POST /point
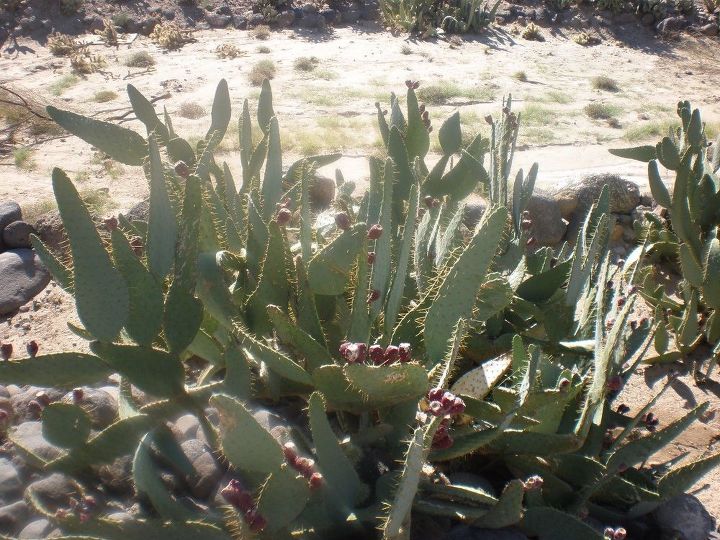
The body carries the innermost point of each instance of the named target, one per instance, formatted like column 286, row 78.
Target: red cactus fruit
column 375, row 232
column 182, row 169
column 392, row 353
column 435, row 394
column 342, row 220
column 405, row 352
column 316, row 480
column 377, row 354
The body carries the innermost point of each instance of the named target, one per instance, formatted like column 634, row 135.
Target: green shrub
column 600, row 111
column 603, row 82
column 262, row 70
column 306, row 63
column 103, row 96
column 140, row 59
column 261, row 31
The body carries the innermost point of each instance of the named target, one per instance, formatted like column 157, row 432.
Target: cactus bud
column 111, row 223
column 564, row 383
column 435, row 394
column 447, row 399
column 6, row 350
column 77, row 394
column 305, row 466
column 316, row 480
column 614, row 383
column 377, row 354
column 290, row 453
column 392, row 353
column 405, row 352
column 371, row 257
column 373, row 296
column 283, row 216
column 375, row 232
column 182, row 169
column 621, row 301
column 533, row 483
column 32, row 348
column 436, row 408
column 342, row 220
column 353, row 353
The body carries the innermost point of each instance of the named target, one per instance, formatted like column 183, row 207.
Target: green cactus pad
column 245, row 443
column 65, row 425
column 151, row 370
column 550, row 524
column 456, row 295
column 388, row 384
column 162, row 223
column 221, row 111
column 329, row 270
column 145, row 112
column 336, row 467
column 450, row 135
column 60, row 370
column 315, row 354
column 101, row 295
column 282, row 498
column 121, row 144
column 508, row 510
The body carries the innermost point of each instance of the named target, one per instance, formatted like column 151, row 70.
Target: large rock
column 36, row 529
column 548, row 227
column 28, row 436
column 13, row 516
column 9, row 212
column 50, row 229
column 473, row 213
column 100, row 406
column 17, row 235
column 139, row 212
column 10, row 483
column 54, row 491
column 207, row 469
column 577, row 197
column 684, row 518
column 23, row 276
column 322, row 192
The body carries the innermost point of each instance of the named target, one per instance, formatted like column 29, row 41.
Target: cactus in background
column 377, row 321
column 685, row 233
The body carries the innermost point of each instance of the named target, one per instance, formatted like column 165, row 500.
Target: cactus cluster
column 432, row 18
column 474, row 344
column 685, row 234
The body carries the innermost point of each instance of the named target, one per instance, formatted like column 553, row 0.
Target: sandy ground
column 332, row 108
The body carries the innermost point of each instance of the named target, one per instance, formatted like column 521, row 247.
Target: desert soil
column 332, row 108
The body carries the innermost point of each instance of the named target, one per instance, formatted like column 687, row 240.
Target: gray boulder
column 28, row 435
column 50, row 229
column 9, row 212
column 548, row 227
column 577, row 197
column 17, row 235
column 36, row 529
column 23, row 276
column 684, row 518
column 13, row 516
column 10, row 482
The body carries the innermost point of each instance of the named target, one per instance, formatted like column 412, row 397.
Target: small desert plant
column 520, row 76
column 603, row 82
column 406, row 49
column 228, row 50
column 103, row 96
column 70, row 7
column 83, row 62
column 140, row 59
column 191, row 110
column 264, row 69
column 261, row 31
column 121, row 19
column 600, row 111
column 170, row 36
column 61, row 44
column 65, row 82
column 264, row 49
column 585, row 39
column 456, row 42
column 532, row 32
column 108, row 33
column 306, row 63
column 23, row 158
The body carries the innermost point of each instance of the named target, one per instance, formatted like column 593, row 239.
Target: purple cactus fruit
column 373, row 296
column 375, row 232
column 533, row 483
column 371, row 257
column 32, row 348
column 342, row 220
column 447, row 400
column 237, row 496
column 392, row 353
column 182, row 169
column 283, row 216
column 609, row 533
column 436, row 408
column 442, row 443
column 614, row 383
column 290, row 453
column 255, row 521
column 6, row 350
column 435, row 394
column 343, row 348
column 355, row 353
column 620, row 534
column 621, row 301
column 632, row 289
column 621, row 262
column 377, row 354
column 78, row 394
column 111, row 223
column 316, row 480
column 405, row 352
column 457, row 407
